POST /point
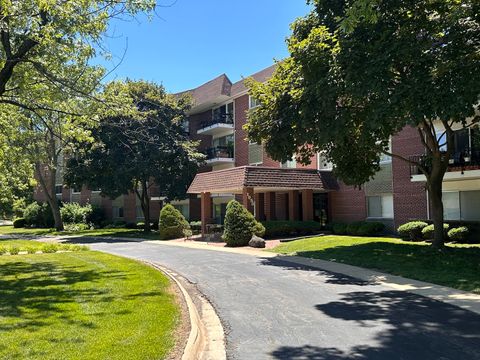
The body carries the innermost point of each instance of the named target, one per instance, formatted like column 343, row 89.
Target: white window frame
column 380, row 217
column 253, row 103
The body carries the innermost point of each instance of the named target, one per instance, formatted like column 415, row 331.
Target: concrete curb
column 206, row 340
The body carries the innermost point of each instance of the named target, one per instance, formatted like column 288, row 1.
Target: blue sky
column 193, row 41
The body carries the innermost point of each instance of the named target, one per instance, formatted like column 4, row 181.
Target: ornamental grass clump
column 240, row 225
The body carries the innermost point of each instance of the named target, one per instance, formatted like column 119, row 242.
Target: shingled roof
column 235, row 179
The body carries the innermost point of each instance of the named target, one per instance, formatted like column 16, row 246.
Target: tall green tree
column 51, row 42
column 47, row 80
column 135, row 152
column 360, row 71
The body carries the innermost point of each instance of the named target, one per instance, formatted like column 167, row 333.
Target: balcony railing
column 224, row 152
column 460, row 161
column 217, row 119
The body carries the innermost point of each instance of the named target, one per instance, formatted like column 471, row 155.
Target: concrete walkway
column 276, row 307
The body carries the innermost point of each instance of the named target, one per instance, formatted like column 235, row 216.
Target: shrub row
column 281, row 228
column 40, row 215
column 359, row 228
column 420, row 230
column 46, row 248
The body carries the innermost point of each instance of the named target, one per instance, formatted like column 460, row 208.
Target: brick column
column 85, row 196
column 269, row 206
column 248, row 198
column 307, row 204
column 206, row 211
column 260, row 206
column 293, row 205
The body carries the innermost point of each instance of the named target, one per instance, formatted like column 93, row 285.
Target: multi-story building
column 237, row 169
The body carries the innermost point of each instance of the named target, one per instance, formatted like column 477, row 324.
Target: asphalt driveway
column 273, row 309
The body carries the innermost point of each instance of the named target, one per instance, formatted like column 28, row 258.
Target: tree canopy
column 143, row 152
column 359, row 72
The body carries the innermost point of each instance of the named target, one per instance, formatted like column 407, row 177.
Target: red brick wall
column 241, row 144
column 347, row 204
column 409, row 198
column 129, row 207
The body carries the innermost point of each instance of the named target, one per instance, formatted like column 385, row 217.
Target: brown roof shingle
column 235, row 179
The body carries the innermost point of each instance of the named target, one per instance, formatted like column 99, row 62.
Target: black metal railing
column 217, row 119
column 464, row 160
column 219, row 152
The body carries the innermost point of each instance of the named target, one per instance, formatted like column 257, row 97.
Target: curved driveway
column 274, row 309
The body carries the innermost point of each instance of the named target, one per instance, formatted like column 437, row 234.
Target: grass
column 84, row 305
column 119, row 232
column 458, row 266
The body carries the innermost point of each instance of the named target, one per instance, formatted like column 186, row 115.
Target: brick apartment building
column 237, row 169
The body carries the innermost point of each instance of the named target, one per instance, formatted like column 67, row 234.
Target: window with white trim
column 290, row 164
column 380, row 206
column 253, row 102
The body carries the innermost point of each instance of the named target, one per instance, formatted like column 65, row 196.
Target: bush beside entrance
column 240, row 225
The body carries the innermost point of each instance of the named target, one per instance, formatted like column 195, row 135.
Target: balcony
column 220, row 155
column 462, row 165
column 219, row 125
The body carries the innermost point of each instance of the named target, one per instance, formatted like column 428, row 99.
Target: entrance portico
column 268, row 193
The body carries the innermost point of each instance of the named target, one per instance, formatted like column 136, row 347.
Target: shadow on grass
column 456, row 267
column 31, row 293
column 411, row 327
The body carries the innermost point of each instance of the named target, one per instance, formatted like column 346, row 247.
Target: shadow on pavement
column 418, row 328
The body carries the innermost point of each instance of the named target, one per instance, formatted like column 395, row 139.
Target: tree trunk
column 144, row 198
column 48, row 187
column 435, row 184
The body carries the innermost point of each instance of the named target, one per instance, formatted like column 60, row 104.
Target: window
column 322, row 162
column 117, row 212
column 253, row 103
column 461, row 205
column 224, row 113
column 451, row 205
column 138, row 212
column 380, row 206
column 255, row 154
column 77, row 189
column 290, row 164
column 223, row 141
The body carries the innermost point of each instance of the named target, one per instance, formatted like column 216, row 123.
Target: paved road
column 277, row 310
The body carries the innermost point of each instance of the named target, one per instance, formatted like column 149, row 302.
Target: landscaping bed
column 84, row 305
column 458, row 266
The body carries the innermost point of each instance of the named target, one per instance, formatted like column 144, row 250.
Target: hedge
column 459, row 234
column 358, row 228
column 428, row 231
column 290, row 228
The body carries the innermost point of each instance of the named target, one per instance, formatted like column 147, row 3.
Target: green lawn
column 120, row 232
column 458, row 266
column 84, row 305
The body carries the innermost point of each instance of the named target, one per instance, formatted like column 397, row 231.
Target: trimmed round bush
column 74, row 213
column 339, row 229
column 172, row 223
column 240, row 225
column 370, row 228
column 19, row 223
column 412, row 230
column 459, row 234
column 428, row 231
